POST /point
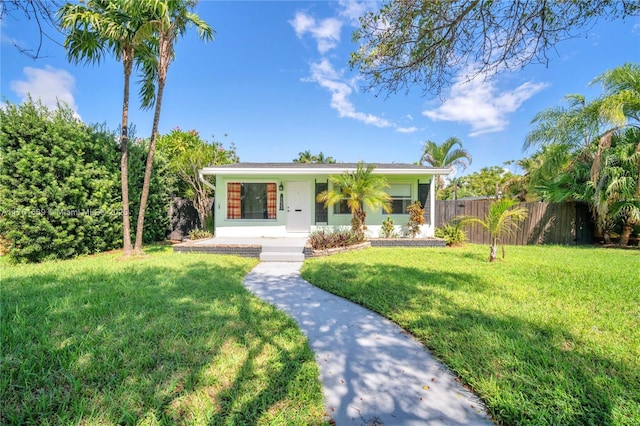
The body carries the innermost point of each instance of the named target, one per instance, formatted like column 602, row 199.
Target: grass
column 549, row 335
column 164, row 339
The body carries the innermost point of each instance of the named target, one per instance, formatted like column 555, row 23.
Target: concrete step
column 282, row 249
column 278, row 256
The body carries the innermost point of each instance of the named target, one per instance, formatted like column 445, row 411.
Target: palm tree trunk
column 627, row 229
column 149, row 165
column 493, row 255
column 124, row 163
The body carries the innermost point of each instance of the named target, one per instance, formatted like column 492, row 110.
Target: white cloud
column 48, row 84
column 353, row 10
column 411, row 129
column 481, row 104
column 326, row 76
column 326, row 32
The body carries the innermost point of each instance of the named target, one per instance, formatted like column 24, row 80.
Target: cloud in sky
column 48, row 84
column 326, row 76
column 325, row 32
column 411, row 129
column 482, row 105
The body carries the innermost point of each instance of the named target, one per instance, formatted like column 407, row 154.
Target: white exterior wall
column 277, row 227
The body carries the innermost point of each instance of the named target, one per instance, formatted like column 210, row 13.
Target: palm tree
column 304, row 157
column 358, row 189
column 619, row 186
column 501, row 219
column 585, row 133
column 96, row 28
column 445, row 155
column 170, row 19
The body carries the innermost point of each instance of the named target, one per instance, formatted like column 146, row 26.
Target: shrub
column 416, row 218
column 59, row 184
column 156, row 216
column 196, row 234
column 323, row 240
column 452, row 233
column 388, row 230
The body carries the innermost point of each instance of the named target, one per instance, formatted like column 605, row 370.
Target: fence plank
column 546, row 223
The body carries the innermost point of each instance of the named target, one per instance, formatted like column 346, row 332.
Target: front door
column 298, row 207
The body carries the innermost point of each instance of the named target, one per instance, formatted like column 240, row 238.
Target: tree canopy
column 430, row 43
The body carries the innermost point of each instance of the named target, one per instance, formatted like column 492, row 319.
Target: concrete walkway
column 372, row 372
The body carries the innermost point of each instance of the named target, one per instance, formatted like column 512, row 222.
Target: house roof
column 314, row 169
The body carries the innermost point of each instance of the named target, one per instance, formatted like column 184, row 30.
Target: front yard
column 169, row 339
column 549, row 335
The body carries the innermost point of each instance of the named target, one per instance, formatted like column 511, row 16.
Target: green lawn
column 166, row 339
column 549, row 335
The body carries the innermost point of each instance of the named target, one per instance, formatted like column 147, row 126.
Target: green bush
column 156, row 218
column 196, row 234
column 323, row 240
column 59, row 191
column 452, row 233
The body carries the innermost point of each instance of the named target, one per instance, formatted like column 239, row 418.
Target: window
column 341, row 207
column 251, row 200
column 400, row 197
column 321, row 210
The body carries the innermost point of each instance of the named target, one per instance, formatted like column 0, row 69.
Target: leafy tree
column 445, row 155
column 581, row 137
column 307, row 157
column 429, row 43
column 358, row 189
column 58, row 184
column 169, row 20
column 186, row 154
column 502, row 218
column 487, row 182
column 94, row 29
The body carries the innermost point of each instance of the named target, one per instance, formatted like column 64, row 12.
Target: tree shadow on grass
column 526, row 371
column 144, row 341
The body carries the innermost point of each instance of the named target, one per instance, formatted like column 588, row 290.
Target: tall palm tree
column 304, row 157
column 445, row 155
column 619, row 186
column 170, row 19
column 358, row 189
column 585, row 132
column 502, row 218
column 98, row 27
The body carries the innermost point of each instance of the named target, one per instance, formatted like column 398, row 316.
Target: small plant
column 452, row 233
column 196, row 234
column 388, row 230
column 208, row 222
column 416, row 218
column 323, row 240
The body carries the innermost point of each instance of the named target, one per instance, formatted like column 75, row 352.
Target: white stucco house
column 279, row 199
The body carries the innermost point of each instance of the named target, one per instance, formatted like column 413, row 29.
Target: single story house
column 279, row 199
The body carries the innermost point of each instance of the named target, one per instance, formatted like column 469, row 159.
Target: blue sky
column 276, row 82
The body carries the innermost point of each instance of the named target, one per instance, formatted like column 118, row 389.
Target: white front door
column 298, row 207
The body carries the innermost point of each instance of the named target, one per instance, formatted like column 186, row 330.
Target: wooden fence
column 546, row 223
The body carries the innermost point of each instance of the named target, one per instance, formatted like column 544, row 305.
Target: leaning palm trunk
column 163, row 64
column 124, row 161
column 147, row 172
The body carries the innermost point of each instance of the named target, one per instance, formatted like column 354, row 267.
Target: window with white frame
column 400, row 194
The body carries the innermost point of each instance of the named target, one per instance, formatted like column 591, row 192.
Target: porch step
column 281, row 257
column 272, row 253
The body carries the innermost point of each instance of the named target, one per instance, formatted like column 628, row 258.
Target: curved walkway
column 372, row 372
